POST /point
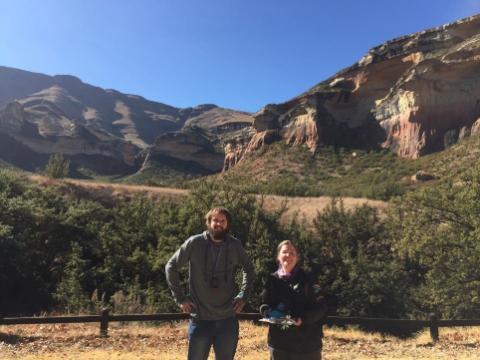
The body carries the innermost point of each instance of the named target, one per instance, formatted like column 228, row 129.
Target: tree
column 70, row 291
column 438, row 229
column 57, row 166
column 356, row 266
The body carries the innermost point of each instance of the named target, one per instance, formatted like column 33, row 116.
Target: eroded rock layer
column 414, row 95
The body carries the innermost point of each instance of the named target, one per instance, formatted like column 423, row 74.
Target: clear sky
column 240, row 54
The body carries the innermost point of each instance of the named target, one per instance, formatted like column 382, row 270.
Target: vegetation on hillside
column 74, row 255
column 376, row 174
column 438, row 229
column 294, row 171
column 161, row 175
column 279, row 169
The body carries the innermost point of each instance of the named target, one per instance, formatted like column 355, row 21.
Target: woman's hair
column 289, row 243
column 219, row 210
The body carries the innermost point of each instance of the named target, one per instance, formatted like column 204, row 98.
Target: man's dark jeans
column 222, row 334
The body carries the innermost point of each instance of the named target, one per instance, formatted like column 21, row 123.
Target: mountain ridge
column 65, row 115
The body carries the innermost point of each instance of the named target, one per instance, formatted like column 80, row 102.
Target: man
column 213, row 258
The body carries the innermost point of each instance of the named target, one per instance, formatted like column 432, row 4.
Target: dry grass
column 303, row 207
column 108, row 193
column 168, row 342
column 308, row 207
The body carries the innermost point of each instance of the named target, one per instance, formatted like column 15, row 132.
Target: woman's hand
column 265, row 310
column 297, row 321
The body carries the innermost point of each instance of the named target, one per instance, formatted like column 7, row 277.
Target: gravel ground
column 168, row 342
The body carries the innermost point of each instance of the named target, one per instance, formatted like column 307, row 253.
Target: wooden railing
column 433, row 323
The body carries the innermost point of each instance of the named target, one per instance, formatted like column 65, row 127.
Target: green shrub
column 353, row 256
column 438, row 229
column 57, row 167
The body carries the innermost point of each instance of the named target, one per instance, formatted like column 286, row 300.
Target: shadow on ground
column 13, row 339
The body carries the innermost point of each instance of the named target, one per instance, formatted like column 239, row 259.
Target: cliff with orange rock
column 414, row 95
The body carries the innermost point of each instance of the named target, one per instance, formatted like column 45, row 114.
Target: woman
column 290, row 293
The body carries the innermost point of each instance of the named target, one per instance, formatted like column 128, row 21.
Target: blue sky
column 240, row 54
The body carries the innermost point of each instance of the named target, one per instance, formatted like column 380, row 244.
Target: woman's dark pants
column 276, row 354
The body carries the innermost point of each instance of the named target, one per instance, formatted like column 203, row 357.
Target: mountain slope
column 100, row 131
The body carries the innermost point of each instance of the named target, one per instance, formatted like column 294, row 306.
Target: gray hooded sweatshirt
column 212, row 270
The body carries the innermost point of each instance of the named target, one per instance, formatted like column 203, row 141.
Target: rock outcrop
column 233, row 153
column 414, row 95
column 190, row 151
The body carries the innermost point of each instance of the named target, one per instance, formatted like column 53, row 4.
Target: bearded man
column 213, row 258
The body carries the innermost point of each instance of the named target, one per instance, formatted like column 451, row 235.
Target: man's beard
column 218, row 234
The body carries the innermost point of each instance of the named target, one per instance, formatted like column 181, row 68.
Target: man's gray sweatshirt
column 212, row 270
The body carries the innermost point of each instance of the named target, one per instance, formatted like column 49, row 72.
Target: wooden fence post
column 104, row 322
column 434, row 327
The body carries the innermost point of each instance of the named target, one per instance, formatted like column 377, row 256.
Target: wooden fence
column 372, row 323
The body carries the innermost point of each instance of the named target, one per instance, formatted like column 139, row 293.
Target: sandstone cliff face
column 414, row 95
column 436, row 100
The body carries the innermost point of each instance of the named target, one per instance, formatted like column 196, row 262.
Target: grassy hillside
column 454, row 160
column 295, row 171
column 4, row 164
column 376, row 174
column 280, row 169
column 159, row 176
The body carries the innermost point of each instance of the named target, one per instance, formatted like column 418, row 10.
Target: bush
column 57, row 167
column 438, row 230
column 67, row 254
column 353, row 256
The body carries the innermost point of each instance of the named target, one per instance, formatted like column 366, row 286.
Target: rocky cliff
column 101, row 130
column 414, row 95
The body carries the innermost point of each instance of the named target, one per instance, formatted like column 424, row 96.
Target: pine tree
column 70, row 292
column 58, row 167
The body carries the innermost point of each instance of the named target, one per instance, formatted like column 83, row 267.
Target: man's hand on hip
column 187, row 306
column 238, row 305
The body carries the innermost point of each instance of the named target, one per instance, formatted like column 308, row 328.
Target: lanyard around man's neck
column 210, row 245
